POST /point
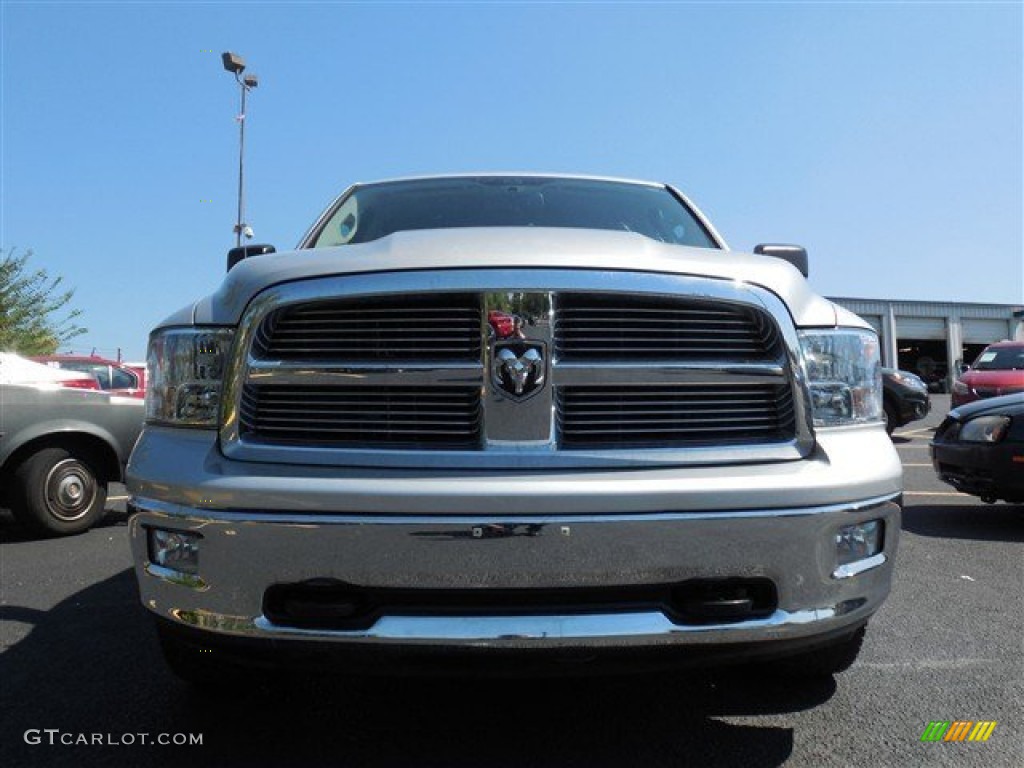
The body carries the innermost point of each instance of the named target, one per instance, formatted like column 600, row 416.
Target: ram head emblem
column 518, row 368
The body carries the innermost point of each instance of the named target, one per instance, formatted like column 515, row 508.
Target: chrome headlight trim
column 844, row 376
column 186, row 372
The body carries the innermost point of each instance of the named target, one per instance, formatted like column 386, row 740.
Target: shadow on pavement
column 980, row 522
column 11, row 531
column 92, row 665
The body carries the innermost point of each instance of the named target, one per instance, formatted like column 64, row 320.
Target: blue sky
column 884, row 137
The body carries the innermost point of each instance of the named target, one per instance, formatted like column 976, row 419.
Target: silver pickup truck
column 59, row 449
column 528, row 417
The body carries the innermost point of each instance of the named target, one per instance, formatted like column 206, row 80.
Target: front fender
column 30, row 413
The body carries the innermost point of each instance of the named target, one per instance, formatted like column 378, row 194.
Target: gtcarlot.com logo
column 958, row 730
column 57, row 737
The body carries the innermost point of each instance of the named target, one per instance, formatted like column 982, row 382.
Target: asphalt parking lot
column 79, row 658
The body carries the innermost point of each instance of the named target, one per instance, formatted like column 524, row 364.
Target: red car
column 504, row 325
column 998, row 370
column 113, row 377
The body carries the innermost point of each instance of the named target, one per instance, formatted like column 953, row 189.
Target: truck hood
column 514, row 248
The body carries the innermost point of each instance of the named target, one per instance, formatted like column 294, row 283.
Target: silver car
column 59, row 449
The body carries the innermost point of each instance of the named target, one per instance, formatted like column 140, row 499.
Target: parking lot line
column 914, row 432
column 935, row 493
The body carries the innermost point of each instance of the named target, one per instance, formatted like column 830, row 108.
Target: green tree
column 32, row 304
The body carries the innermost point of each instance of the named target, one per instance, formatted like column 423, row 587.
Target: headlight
column 177, row 550
column 859, row 541
column 959, row 388
column 186, row 366
column 844, row 376
column 909, row 380
column 985, row 429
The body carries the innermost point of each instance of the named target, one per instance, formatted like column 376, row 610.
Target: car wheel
column 57, row 492
column 890, row 417
column 824, row 661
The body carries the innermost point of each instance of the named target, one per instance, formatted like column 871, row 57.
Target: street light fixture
column 235, row 64
column 232, row 62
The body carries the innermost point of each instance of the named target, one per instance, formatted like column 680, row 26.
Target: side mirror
column 794, row 254
column 963, row 368
column 236, row 255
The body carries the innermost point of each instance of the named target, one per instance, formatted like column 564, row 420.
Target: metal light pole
column 236, row 65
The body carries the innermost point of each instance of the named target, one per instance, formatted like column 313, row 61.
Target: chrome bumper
column 269, row 524
column 243, row 554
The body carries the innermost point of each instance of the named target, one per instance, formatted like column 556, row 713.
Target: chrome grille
column 614, row 326
column 677, row 416
column 341, row 416
column 372, row 370
column 426, row 327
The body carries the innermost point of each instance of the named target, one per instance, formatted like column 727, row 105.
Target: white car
column 15, row 369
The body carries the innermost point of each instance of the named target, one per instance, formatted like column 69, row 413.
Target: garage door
column 985, row 331
column 932, row 328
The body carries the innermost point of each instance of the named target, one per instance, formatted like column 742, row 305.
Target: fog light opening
column 175, row 550
column 859, row 548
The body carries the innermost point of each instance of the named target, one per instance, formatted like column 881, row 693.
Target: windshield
column 1000, row 359
column 377, row 210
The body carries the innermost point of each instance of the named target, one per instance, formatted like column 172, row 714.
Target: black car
column 979, row 449
column 904, row 398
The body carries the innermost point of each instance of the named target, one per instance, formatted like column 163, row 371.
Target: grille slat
column 596, row 402
column 323, row 406
column 634, row 328
column 340, row 328
column 654, row 425
column 415, row 327
column 666, row 329
column 387, row 312
column 608, row 307
column 720, row 414
column 361, row 353
column 693, row 415
column 680, row 432
column 317, row 429
column 346, row 416
column 366, row 417
column 662, row 352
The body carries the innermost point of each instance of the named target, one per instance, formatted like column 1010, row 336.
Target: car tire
column 890, row 417
column 57, row 492
column 824, row 661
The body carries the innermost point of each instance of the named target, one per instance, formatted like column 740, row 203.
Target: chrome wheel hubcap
column 70, row 490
